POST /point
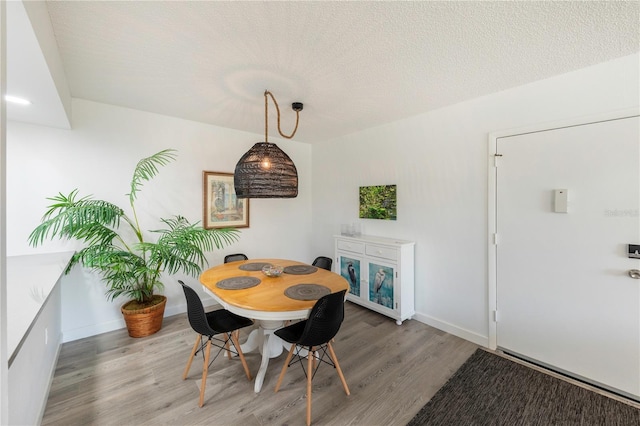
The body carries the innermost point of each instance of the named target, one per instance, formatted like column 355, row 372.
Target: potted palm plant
column 130, row 265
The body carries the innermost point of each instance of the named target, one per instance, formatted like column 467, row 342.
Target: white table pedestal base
column 269, row 345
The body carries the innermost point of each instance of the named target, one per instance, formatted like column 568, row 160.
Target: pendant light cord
column 266, row 118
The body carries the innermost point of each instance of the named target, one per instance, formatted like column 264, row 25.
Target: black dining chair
column 235, row 257
column 323, row 262
column 315, row 334
column 208, row 325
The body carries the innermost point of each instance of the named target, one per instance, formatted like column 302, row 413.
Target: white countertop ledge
column 30, row 279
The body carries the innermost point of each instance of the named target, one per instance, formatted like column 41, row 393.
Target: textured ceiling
column 353, row 64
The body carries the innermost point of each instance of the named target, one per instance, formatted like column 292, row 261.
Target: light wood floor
column 392, row 371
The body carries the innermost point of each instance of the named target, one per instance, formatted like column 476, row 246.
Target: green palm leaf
column 84, row 219
column 182, row 245
column 132, row 269
column 147, row 168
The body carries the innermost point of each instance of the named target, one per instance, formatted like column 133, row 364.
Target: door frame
column 493, row 161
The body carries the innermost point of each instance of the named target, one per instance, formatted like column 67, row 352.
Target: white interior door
column 564, row 295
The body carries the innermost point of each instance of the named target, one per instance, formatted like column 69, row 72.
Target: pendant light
column 265, row 171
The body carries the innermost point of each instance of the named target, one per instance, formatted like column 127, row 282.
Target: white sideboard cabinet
column 380, row 273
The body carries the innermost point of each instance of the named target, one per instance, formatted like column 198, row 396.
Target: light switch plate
column 560, row 202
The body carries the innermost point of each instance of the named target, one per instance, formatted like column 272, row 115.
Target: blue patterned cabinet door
column 381, row 285
column 350, row 270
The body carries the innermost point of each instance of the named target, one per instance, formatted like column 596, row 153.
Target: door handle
column 634, row 273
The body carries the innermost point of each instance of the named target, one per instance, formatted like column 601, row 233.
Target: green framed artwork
column 378, row 202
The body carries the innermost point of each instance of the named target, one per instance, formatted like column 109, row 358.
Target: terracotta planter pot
column 146, row 321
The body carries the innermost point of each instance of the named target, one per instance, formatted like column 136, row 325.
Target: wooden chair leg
column 237, row 334
column 193, row 353
column 285, row 366
column 335, row 361
column 310, row 361
column 227, row 346
column 205, row 370
column 236, row 343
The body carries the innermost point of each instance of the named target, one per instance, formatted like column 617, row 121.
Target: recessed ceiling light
column 17, row 100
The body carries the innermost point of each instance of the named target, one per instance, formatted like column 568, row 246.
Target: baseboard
column 105, row 327
column 92, row 330
column 471, row 336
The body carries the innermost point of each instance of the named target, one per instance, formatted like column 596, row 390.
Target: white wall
column 439, row 162
column 98, row 156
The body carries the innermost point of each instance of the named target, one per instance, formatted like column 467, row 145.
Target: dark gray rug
column 491, row 390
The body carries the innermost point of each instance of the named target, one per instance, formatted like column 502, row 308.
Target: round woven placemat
column 307, row 291
column 254, row 266
column 299, row 269
column 238, row 283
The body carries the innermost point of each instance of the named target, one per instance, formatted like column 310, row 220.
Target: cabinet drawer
column 382, row 252
column 351, row 246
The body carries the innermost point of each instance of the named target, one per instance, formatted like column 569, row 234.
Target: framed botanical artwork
column 221, row 207
column 378, row 202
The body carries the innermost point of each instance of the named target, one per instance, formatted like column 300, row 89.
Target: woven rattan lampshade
column 265, row 171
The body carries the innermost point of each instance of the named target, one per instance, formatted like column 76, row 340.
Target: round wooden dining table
column 242, row 288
